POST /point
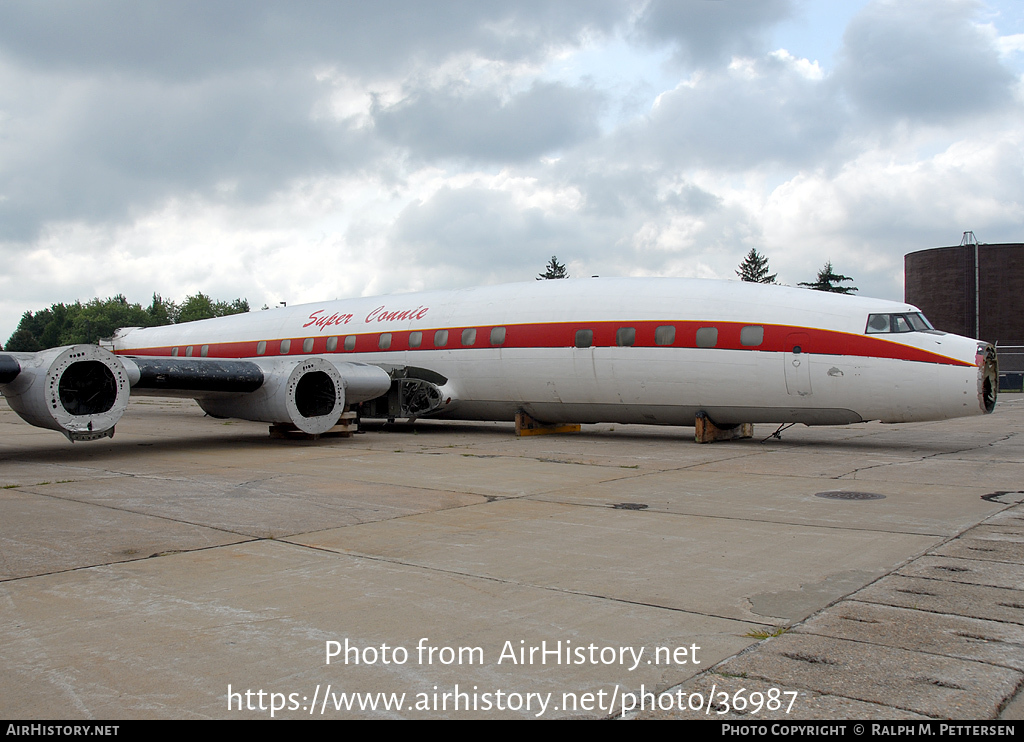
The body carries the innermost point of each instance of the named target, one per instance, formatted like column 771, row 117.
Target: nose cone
column 988, row 376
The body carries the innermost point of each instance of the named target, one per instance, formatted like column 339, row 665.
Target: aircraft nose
column 988, row 376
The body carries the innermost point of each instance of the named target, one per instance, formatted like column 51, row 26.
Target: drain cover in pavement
column 836, row 495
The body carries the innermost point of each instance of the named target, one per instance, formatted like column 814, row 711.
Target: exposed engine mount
column 415, row 392
column 80, row 390
column 988, row 376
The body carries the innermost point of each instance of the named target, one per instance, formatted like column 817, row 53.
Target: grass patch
column 767, row 633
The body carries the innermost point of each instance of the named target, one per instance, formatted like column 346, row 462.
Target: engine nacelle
column 309, row 394
column 80, row 390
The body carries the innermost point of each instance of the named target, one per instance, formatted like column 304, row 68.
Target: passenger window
column 415, row 339
column 188, row 352
column 261, row 347
column 469, row 336
column 752, row 335
column 625, row 336
column 385, row 341
column 332, row 344
column 174, row 351
column 665, row 335
column 204, row 351
column 285, row 347
column 440, row 338
column 707, row 337
column 584, row 338
column 497, row 336
column 307, row 345
column 350, row 342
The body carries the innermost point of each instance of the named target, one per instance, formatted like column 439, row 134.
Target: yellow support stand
column 526, row 425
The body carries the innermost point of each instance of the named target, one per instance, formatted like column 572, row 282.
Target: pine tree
column 754, row 268
column 554, row 270
column 828, row 279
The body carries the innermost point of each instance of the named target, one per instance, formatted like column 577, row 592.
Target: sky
column 316, row 150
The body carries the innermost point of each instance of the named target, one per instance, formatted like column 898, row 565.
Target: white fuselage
column 739, row 352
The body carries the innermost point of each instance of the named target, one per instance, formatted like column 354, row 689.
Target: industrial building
column 976, row 290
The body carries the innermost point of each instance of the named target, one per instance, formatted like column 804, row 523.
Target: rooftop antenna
column 969, row 240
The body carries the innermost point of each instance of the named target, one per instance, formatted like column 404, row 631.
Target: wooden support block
column 526, row 425
column 289, row 431
column 705, row 431
column 347, row 424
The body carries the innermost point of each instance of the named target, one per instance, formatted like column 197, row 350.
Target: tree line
column 753, row 268
column 71, row 324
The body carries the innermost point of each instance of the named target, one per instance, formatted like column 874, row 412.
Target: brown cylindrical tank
column 974, row 290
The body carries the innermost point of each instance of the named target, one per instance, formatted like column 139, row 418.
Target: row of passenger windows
column 751, row 336
column 189, row 351
column 468, row 338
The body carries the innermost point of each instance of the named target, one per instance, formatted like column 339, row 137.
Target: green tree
column 162, row 311
column 202, row 306
column 43, row 329
column 99, row 318
column 754, row 268
column 829, row 280
column 554, row 270
column 196, row 307
column 238, row 306
column 23, row 341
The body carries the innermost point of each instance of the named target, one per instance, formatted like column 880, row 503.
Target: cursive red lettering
column 321, row 321
column 381, row 314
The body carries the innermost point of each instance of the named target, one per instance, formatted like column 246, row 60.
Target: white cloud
column 319, row 153
column 1011, row 44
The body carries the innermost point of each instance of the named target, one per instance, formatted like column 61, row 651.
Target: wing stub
column 198, row 375
column 9, row 369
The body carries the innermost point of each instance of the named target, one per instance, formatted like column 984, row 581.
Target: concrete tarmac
column 196, row 568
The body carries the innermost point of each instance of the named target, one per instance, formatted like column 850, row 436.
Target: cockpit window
column 878, row 323
column 919, row 322
column 907, row 322
column 900, row 324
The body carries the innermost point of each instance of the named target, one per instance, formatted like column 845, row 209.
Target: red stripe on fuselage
column 562, row 335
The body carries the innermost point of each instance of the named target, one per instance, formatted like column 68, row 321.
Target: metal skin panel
column 844, row 376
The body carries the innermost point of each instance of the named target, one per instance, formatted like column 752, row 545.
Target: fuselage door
column 798, row 364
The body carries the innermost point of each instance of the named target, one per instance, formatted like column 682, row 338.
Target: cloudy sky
column 303, row 151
